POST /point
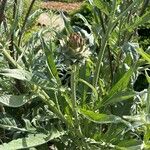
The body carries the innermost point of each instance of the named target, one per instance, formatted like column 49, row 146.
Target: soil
column 67, row 7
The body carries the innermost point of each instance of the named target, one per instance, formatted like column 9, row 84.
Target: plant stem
column 111, row 26
column 148, row 98
column 101, row 54
column 73, row 99
column 56, row 100
column 10, row 59
column 110, row 64
column 46, row 99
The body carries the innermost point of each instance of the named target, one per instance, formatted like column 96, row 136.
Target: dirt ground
column 67, row 7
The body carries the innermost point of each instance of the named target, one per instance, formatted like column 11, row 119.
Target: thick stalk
column 73, row 99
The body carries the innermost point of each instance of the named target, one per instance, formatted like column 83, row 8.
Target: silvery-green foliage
column 97, row 108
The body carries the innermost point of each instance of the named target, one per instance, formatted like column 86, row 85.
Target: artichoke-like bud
column 74, row 49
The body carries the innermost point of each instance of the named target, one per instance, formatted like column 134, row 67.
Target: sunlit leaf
column 19, row 74
column 15, row 100
column 100, row 118
column 144, row 54
column 122, row 83
column 31, row 140
column 119, row 97
column 139, row 21
column 50, row 60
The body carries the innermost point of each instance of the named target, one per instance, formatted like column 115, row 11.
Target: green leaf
column 100, row 118
column 90, row 86
column 19, row 74
column 144, row 54
column 122, row 83
column 32, row 18
column 68, row 27
column 140, row 21
column 86, row 23
column 119, row 97
column 42, row 81
column 31, row 140
column 15, row 100
column 147, row 76
column 102, row 6
column 129, row 144
column 148, row 91
column 50, row 61
column 9, row 123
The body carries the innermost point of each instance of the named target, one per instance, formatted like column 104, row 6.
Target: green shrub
column 98, row 107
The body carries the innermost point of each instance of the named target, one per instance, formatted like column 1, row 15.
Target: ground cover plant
column 77, row 88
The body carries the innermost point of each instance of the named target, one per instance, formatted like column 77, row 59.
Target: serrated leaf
column 90, row 86
column 32, row 18
column 31, row 140
column 19, row 74
column 41, row 81
column 122, row 83
column 100, row 118
column 9, row 123
column 15, row 100
column 131, row 49
column 119, row 97
column 50, row 61
column 102, row 6
column 140, row 21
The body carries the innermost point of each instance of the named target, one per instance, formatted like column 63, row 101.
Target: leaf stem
column 10, row 59
column 46, row 99
column 111, row 26
column 73, row 99
column 101, row 54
